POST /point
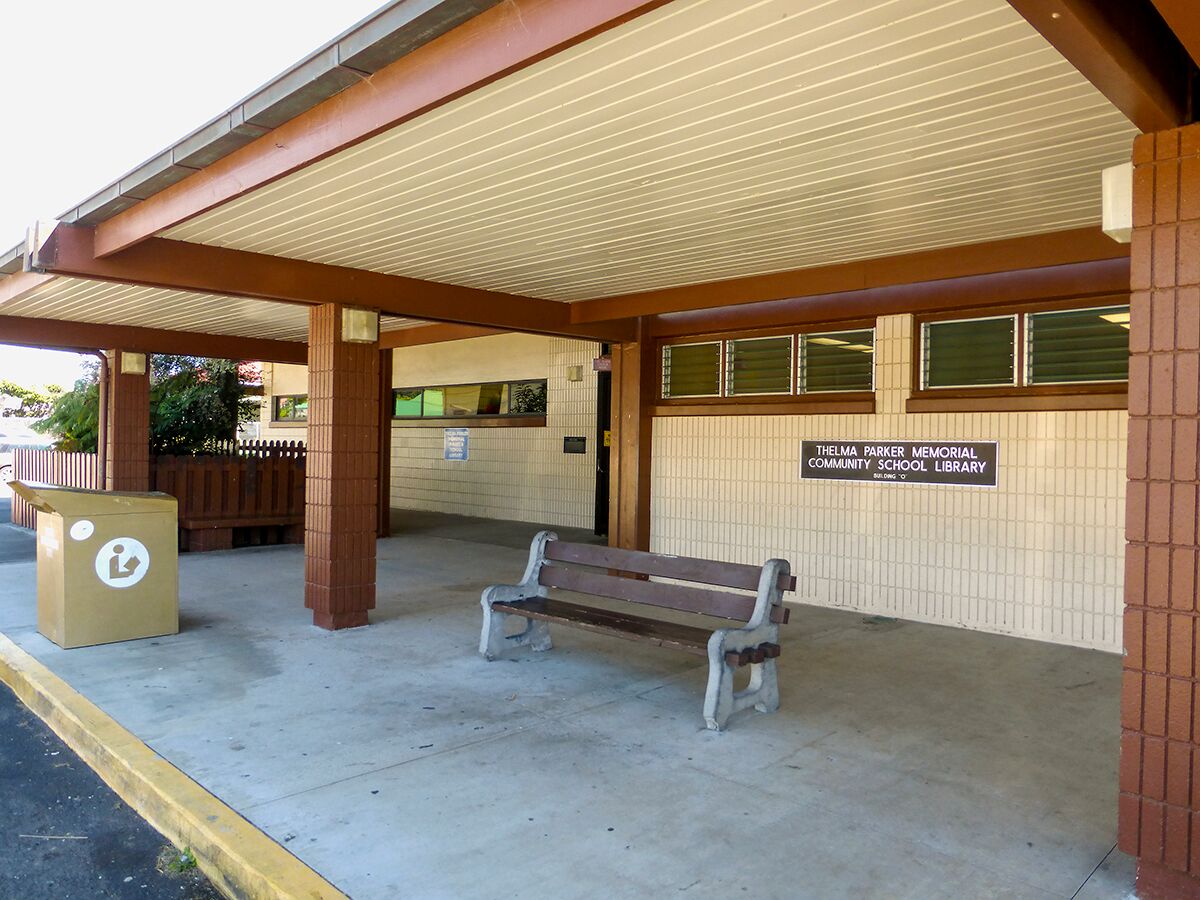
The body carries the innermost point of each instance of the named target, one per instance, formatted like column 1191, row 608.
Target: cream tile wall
column 1041, row 556
column 512, row 473
column 281, row 379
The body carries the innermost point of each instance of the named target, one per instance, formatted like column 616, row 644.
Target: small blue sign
column 456, row 444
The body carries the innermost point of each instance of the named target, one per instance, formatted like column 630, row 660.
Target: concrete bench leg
column 493, row 641
column 721, row 701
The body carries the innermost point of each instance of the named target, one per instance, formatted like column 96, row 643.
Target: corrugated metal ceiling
column 711, row 140
column 81, row 300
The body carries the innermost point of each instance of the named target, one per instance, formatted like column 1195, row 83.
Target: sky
column 99, row 88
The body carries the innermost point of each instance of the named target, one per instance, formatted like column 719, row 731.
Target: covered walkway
column 907, row 760
column 735, row 231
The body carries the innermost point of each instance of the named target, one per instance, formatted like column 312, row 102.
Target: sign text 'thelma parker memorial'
column 972, row 463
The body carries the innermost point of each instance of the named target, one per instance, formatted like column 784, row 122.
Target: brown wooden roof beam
column 1014, row 254
column 180, row 265
column 1183, row 18
column 1126, row 50
column 432, row 334
column 85, row 336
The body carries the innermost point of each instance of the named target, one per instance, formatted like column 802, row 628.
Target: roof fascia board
column 67, row 335
column 1125, row 49
column 12, row 260
column 1031, row 252
column 377, row 40
column 180, row 265
column 501, row 40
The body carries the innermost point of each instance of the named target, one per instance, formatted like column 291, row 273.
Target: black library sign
column 905, row 462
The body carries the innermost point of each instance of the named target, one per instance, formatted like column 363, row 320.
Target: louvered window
column 758, row 366
column 691, row 370
column 837, row 361
column 970, row 352
column 1078, row 345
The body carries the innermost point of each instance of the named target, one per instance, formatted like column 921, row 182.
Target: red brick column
column 341, row 473
column 128, row 446
column 1159, row 806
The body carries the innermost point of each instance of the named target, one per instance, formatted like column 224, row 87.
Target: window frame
column 662, row 369
column 799, row 364
column 923, row 357
column 481, row 420
column 1027, row 372
column 275, row 418
column 727, row 363
column 1019, row 397
column 823, row 402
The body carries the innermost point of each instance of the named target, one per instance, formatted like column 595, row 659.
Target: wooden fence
column 231, row 500
column 252, row 495
column 49, row 467
column 258, row 449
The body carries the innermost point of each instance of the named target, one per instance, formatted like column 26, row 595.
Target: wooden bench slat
column 603, row 621
column 684, row 568
column 721, row 604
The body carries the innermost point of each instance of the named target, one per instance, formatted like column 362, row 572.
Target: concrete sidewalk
column 907, row 760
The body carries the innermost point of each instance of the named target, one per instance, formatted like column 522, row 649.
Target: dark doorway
column 603, row 439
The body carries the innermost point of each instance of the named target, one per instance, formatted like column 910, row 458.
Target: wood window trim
column 470, row 422
column 1099, row 395
column 1031, row 398
column 824, row 403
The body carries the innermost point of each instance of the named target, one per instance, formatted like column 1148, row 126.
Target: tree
column 195, row 403
column 26, row 403
column 74, row 416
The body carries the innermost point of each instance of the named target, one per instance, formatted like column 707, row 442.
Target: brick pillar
column 1159, row 805
column 128, row 444
column 341, row 473
column 634, row 390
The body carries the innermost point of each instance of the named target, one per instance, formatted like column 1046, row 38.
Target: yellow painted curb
column 239, row 859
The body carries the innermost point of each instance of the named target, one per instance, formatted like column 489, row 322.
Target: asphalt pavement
column 16, row 544
column 64, row 834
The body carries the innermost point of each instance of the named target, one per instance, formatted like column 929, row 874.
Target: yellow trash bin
column 108, row 564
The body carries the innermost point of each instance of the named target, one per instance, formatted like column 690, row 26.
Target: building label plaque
column 456, row 444
column 971, row 463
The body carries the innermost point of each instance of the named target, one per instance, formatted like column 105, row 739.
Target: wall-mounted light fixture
column 133, row 363
column 574, row 373
column 360, row 326
column 1117, row 184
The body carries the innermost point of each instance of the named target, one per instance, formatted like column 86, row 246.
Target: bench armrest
column 528, row 585
column 505, row 593
column 770, row 595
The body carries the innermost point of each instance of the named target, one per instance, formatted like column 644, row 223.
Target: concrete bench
column 616, row 574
